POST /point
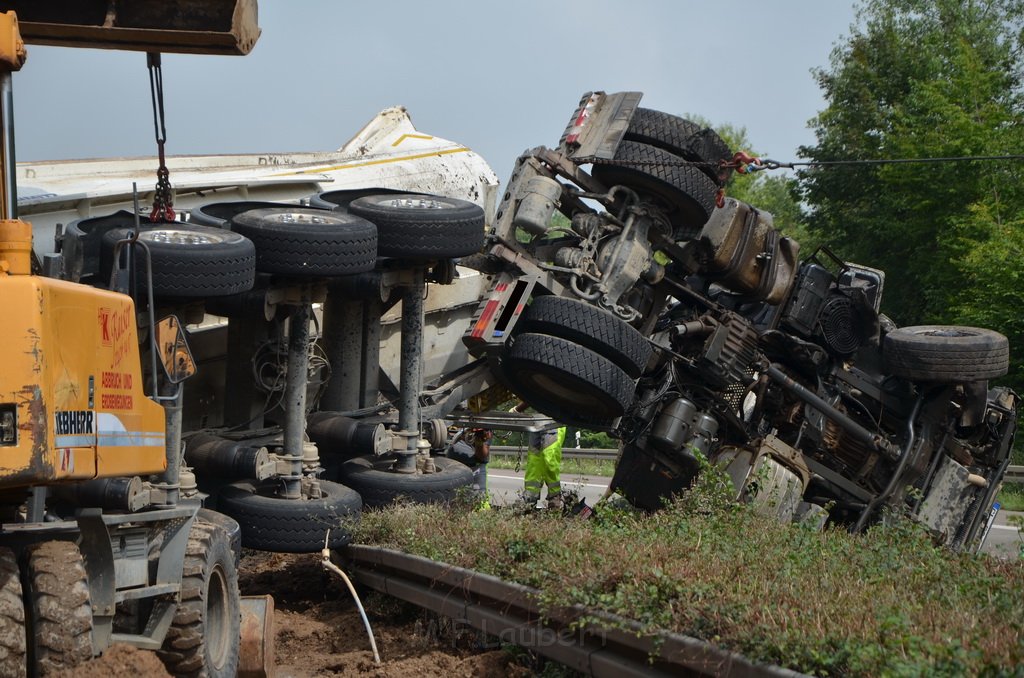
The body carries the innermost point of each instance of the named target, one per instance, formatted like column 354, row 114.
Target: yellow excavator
column 102, row 534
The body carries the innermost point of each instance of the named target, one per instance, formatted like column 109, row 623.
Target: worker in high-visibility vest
column 473, row 448
column 543, row 465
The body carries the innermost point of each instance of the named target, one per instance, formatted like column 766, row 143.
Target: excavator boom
column 176, row 26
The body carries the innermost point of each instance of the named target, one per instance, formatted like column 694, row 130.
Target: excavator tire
column 229, row 525
column 13, row 650
column 205, row 635
column 58, row 605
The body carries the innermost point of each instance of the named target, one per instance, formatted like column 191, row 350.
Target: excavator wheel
column 205, row 635
column 13, row 651
column 58, row 606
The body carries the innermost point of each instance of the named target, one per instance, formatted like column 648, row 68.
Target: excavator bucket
column 182, row 26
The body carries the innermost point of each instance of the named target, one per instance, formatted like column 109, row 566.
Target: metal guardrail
column 567, row 452
column 589, row 641
column 1014, row 474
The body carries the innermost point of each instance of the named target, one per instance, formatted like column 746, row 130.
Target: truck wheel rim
column 181, row 237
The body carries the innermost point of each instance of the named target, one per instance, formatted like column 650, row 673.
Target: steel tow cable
column 744, row 163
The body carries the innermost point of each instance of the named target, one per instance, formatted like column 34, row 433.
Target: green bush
column 1012, row 497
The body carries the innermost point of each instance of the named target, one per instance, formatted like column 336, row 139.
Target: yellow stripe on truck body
column 71, row 398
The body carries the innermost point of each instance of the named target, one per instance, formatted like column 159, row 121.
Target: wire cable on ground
column 328, row 565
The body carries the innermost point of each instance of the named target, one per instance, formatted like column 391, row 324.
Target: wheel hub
column 179, row 237
column 417, row 203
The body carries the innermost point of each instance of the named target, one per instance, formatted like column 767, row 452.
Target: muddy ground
column 319, row 632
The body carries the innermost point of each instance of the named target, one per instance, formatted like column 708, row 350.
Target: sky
column 496, row 77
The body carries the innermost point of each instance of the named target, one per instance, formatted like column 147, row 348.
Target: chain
column 163, row 199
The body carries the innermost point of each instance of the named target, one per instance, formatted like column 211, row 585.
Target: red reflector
column 581, row 120
column 485, row 317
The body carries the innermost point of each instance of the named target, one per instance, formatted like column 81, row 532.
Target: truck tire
column 370, row 477
column 339, row 200
column 684, row 138
column 270, row 523
column 590, row 327
column 58, row 606
column 946, row 354
column 423, row 227
column 684, row 191
column 189, row 261
column 13, row 650
column 220, row 214
column 308, row 242
column 566, row 381
column 205, row 636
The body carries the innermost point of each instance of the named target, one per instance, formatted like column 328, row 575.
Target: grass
column 827, row 603
column 1012, row 497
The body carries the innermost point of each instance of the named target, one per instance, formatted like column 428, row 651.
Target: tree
column 922, row 79
column 992, row 293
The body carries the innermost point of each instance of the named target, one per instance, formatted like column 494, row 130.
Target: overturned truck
column 341, row 309
column 688, row 326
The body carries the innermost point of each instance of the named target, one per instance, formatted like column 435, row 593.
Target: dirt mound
column 118, row 660
column 319, row 632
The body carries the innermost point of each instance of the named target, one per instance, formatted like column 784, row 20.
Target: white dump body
column 389, row 152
